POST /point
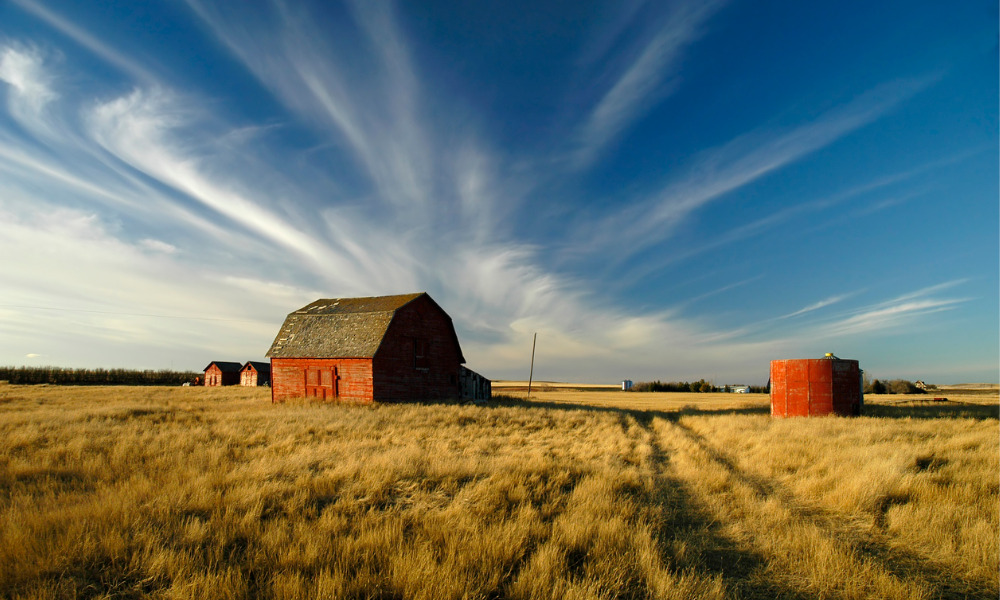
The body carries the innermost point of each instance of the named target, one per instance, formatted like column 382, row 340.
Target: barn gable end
column 255, row 373
column 419, row 356
column 219, row 372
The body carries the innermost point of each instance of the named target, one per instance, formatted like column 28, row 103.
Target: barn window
column 420, row 360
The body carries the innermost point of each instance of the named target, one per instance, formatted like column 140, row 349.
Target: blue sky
column 660, row 190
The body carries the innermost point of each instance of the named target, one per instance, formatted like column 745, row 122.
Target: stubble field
column 216, row 493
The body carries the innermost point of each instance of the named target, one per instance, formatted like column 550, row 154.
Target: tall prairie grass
column 215, row 492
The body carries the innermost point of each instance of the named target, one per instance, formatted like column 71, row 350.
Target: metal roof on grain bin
column 339, row 327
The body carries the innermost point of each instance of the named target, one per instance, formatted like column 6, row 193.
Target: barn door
column 322, row 383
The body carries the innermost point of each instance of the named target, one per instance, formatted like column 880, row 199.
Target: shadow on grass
column 639, row 413
column 742, row 571
column 908, row 410
column 933, row 410
column 902, row 564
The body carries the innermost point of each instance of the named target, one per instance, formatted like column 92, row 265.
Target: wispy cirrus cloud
column 141, row 130
column 889, row 315
column 119, row 59
column 893, row 313
column 647, row 78
column 375, row 109
column 815, row 306
column 59, row 294
column 21, row 69
column 740, row 162
column 857, row 195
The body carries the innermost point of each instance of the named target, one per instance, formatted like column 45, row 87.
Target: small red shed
column 222, row 373
column 815, row 387
column 383, row 348
column 255, row 373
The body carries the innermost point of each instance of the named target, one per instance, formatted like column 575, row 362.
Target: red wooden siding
column 255, row 374
column 214, row 376
column 331, row 379
column 248, row 377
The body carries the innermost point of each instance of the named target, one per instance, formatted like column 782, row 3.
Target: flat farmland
column 131, row 492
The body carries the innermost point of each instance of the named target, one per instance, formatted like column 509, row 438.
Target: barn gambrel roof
column 341, row 327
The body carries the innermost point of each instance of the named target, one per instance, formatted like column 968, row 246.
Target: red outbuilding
column 222, row 373
column 384, row 349
column 255, row 373
column 810, row 387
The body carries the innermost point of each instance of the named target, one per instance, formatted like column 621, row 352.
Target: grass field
column 217, row 493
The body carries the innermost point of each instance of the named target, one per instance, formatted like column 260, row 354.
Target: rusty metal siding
column 815, row 387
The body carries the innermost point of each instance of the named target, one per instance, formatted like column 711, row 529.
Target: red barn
column 384, row 349
column 255, row 373
column 222, row 373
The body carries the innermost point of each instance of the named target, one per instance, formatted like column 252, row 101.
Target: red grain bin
column 810, row 387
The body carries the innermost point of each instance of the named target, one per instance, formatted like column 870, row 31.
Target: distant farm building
column 739, row 389
column 384, row 349
column 816, row 387
column 219, row 373
column 474, row 386
column 255, row 373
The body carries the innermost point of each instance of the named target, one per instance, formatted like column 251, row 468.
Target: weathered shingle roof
column 260, row 367
column 338, row 327
column 225, row 366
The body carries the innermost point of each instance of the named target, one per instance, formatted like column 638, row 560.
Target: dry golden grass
column 197, row 493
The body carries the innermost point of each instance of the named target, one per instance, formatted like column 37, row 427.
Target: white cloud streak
column 647, row 79
column 21, row 69
column 376, row 112
column 84, row 39
column 738, row 163
column 68, row 260
column 890, row 314
column 137, row 129
column 815, row 306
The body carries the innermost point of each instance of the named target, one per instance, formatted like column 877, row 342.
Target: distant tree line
column 686, row 386
column 894, row 386
column 871, row 386
column 61, row 376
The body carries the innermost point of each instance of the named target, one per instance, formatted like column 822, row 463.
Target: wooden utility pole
column 531, row 373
